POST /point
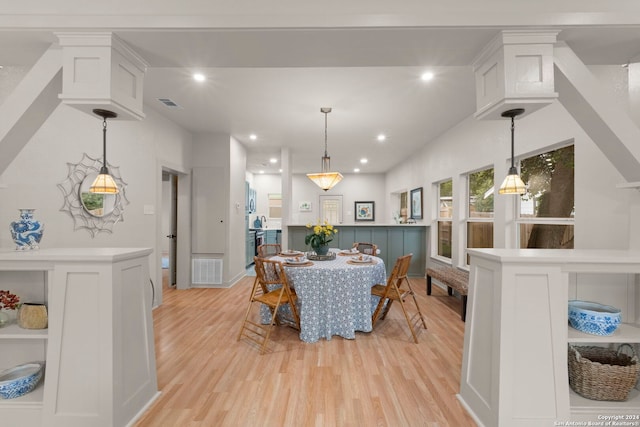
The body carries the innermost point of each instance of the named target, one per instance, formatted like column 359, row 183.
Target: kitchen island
column 393, row 241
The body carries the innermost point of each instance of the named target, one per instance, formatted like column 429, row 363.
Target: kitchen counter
column 365, row 224
column 393, row 241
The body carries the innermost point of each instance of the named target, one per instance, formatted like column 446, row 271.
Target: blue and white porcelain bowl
column 594, row 318
column 20, row 380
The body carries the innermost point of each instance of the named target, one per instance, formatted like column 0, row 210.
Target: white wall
column 266, row 184
column 602, row 211
column 224, row 151
column 353, row 187
column 237, row 241
column 138, row 148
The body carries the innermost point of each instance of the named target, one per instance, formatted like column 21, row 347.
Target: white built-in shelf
column 582, row 405
column 14, row 331
column 626, row 333
column 29, row 400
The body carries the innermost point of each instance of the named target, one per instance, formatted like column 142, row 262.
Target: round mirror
column 98, row 205
column 96, row 213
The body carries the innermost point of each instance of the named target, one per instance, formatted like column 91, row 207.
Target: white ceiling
column 273, row 82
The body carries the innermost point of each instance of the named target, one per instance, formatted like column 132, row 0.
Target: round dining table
column 334, row 296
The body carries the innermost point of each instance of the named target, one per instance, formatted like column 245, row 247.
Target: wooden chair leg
column 376, row 313
column 415, row 301
column 386, row 309
column 428, row 285
column 463, row 309
column 406, row 316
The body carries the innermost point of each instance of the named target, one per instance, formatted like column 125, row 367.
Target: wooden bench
column 453, row 279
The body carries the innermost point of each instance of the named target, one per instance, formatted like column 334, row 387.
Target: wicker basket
column 602, row 374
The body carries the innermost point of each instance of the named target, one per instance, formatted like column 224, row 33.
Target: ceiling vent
column 169, row 103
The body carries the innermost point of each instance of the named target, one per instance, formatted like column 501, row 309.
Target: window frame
column 438, row 219
column 469, row 219
column 519, row 220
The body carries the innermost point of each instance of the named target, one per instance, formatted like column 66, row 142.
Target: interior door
column 173, row 230
column 208, row 226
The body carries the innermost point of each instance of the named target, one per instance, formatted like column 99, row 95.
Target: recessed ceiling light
column 273, row 160
column 356, row 170
column 280, row 170
column 253, row 136
column 261, row 171
column 427, row 76
column 382, row 137
column 363, row 161
column 199, row 77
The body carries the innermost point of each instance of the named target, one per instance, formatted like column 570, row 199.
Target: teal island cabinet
column 392, row 240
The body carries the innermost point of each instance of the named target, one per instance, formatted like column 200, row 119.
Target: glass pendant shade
column 104, row 183
column 325, row 179
column 512, row 184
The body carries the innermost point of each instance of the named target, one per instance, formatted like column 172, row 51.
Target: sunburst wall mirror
column 93, row 212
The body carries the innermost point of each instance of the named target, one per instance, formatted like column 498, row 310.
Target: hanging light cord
column 104, row 143
column 512, row 133
column 325, row 135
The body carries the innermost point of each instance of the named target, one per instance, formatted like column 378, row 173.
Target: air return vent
column 206, row 271
column 169, row 103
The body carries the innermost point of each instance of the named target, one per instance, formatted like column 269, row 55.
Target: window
column 546, row 214
column 275, row 205
column 480, row 209
column 445, row 216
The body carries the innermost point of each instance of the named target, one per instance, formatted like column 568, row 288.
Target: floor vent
column 206, row 271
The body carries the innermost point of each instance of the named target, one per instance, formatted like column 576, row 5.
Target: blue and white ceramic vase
column 27, row 231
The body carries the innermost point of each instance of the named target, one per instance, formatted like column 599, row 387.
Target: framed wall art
column 416, row 203
column 304, row 206
column 365, row 211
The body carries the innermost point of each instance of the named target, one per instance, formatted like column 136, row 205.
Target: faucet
column 263, row 221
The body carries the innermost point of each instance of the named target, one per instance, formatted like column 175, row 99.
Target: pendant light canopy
column 325, row 179
column 512, row 184
column 104, row 183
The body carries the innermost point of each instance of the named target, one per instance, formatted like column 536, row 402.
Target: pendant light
column 104, row 183
column 325, row 179
column 512, row 184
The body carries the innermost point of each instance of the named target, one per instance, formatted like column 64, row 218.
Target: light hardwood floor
column 208, row 378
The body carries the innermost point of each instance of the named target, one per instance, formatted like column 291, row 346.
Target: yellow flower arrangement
column 321, row 236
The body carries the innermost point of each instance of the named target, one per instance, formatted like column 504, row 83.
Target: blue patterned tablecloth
column 334, row 297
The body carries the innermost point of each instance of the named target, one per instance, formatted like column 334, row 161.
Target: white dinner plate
column 348, row 251
column 292, row 253
column 295, row 261
column 364, row 260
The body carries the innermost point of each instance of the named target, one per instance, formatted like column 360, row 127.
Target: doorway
column 331, row 209
column 169, row 228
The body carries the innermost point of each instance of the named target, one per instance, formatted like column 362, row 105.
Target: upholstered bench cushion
column 453, row 279
column 457, row 279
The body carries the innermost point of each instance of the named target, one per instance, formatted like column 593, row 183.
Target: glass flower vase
column 4, row 318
